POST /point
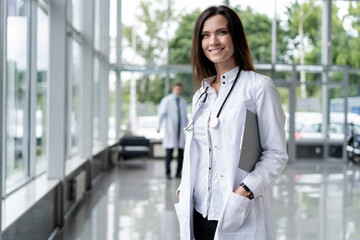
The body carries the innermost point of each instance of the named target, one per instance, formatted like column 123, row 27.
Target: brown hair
column 202, row 67
column 179, row 84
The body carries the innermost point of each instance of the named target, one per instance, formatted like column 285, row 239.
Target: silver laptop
column 250, row 143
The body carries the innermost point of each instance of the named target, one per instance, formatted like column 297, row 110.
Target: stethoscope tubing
column 232, row 86
column 203, row 101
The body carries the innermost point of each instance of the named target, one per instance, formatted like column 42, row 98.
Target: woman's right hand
column 241, row 191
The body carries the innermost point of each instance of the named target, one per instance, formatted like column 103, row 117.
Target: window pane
column 75, row 97
column 141, row 93
column 77, row 14
column 299, row 31
column 97, row 25
column 113, row 31
column 257, row 23
column 16, row 93
column 144, row 32
column 112, row 95
column 96, row 104
column 42, row 71
column 308, row 116
column 345, row 45
column 354, row 93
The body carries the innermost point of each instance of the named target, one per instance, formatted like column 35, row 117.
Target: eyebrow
column 220, row 29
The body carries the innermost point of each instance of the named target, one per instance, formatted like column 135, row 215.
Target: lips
column 216, row 50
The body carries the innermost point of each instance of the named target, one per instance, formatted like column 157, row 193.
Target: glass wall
column 74, row 98
column 112, row 31
column 17, row 85
column 74, row 76
column 299, row 29
column 155, row 48
column 22, row 163
column 298, row 32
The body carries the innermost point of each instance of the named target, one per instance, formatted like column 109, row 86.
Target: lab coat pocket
column 235, row 212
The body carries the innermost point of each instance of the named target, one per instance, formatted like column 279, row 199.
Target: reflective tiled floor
column 311, row 200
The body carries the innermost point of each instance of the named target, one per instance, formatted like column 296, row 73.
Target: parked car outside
column 308, row 125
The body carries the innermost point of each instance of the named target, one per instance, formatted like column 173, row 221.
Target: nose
column 214, row 40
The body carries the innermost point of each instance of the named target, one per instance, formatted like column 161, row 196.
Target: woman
column 217, row 200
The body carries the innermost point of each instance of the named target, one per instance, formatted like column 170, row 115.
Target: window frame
column 3, row 22
column 26, row 110
column 30, row 99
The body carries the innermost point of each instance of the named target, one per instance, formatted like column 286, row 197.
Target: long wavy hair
column 202, row 67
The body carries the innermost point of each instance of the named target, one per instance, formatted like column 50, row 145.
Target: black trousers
column 204, row 229
column 169, row 152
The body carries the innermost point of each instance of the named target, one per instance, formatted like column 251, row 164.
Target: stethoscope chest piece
column 214, row 122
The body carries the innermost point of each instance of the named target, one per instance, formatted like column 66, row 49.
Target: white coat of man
column 172, row 111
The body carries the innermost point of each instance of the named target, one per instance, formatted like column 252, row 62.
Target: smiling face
column 217, row 43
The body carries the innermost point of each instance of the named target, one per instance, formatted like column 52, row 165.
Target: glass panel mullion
column 41, row 89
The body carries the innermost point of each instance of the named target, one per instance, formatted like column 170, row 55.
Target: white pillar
column 326, row 61
column 56, row 107
column 104, row 80
column 292, row 109
column 273, row 39
column 33, row 87
column 2, row 80
column 86, row 83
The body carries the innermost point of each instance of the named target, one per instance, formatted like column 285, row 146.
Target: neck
column 223, row 68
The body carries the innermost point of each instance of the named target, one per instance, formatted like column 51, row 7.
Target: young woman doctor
column 217, row 200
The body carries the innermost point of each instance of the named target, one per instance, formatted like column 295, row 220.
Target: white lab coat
column 240, row 217
column 167, row 112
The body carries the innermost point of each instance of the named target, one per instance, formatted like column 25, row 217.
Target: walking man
column 172, row 111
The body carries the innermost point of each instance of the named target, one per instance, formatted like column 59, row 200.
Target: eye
column 205, row 35
column 222, row 32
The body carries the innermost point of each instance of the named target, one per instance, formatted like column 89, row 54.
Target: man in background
column 172, row 111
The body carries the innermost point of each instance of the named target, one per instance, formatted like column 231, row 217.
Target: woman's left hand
column 241, row 191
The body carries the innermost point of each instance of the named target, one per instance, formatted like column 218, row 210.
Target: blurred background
column 78, row 75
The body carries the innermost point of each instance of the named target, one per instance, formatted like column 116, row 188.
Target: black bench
column 131, row 147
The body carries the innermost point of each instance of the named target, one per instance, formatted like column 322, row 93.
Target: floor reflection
column 311, row 200
column 318, row 201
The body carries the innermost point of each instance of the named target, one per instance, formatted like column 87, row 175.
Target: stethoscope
column 214, row 122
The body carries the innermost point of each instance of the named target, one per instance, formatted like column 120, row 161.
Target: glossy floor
column 311, row 200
